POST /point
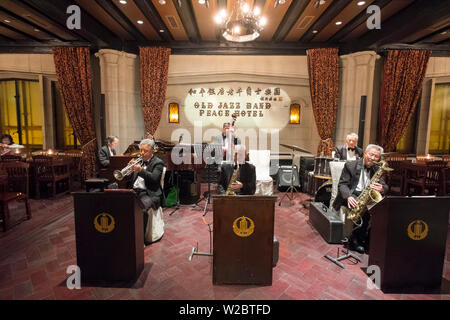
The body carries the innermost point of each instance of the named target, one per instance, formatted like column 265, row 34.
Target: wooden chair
column 396, row 177
column 424, row 178
column 16, row 190
column 51, row 170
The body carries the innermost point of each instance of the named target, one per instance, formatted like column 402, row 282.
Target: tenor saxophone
column 230, row 191
column 367, row 196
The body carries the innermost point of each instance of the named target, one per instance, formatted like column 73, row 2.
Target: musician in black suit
column 225, row 138
column 355, row 177
column 245, row 183
column 350, row 150
column 146, row 178
column 108, row 150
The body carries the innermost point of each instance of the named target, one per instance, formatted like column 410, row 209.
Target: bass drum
column 323, row 194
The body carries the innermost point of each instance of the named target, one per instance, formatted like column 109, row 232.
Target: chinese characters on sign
column 223, row 102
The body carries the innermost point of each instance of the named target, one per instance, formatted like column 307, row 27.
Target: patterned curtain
column 404, row 72
column 323, row 67
column 73, row 70
column 154, row 68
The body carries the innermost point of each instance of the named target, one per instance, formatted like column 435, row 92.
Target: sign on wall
column 255, row 106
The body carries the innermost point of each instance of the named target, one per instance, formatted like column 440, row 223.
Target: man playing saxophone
column 355, row 178
column 245, row 175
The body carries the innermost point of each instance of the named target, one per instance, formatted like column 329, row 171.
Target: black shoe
column 354, row 245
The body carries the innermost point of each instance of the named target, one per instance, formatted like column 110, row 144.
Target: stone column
column 119, row 73
column 356, row 80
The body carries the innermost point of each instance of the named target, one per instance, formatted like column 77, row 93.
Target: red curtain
column 323, row 68
column 404, row 72
column 154, row 69
column 73, row 71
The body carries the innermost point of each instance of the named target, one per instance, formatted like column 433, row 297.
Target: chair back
column 261, row 160
column 396, row 157
column 437, row 163
column 17, row 176
column 433, row 176
column 11, row 158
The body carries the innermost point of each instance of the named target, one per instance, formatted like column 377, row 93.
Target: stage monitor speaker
column 362, row 121
column 284, row 177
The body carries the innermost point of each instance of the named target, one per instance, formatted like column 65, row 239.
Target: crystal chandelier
column 242, row 24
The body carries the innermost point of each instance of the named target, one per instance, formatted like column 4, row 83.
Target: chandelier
column 242, row 24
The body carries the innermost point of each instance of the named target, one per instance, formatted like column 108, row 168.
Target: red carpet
column 35, row 254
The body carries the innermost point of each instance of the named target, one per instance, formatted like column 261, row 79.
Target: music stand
column 291, row 186
column 206, row 194
column 195, row 249
column 347, row 255
column 178, row 193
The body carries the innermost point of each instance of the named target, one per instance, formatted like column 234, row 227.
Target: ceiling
column 188, row 27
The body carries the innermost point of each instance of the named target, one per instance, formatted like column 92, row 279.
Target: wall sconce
column 173, row 113
column 294, row 113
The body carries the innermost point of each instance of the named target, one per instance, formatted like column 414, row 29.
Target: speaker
column 362, row 121
column 284, row 178
column 275, row 165
column 189, row 187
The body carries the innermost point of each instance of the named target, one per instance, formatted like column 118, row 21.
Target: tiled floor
column 35, row 254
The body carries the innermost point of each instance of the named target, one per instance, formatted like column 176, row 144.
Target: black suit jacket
column 349, row 181
column 104, row 155
column 341, row 152
column 152, row 177
column 247, row 175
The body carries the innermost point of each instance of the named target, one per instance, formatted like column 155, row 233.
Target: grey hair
column 352, row 135
column 111, row 139
column 149, row 142
column 374, row 146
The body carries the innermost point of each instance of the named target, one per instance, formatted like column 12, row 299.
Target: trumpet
column 120, row 174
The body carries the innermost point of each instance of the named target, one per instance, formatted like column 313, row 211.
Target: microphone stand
column 178, row 183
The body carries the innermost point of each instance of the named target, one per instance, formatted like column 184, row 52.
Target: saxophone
column 230, row 191
column 367, row 196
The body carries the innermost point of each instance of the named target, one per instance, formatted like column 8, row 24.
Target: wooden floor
column 35, row 254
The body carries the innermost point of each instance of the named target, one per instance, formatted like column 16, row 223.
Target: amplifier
column 326, row 222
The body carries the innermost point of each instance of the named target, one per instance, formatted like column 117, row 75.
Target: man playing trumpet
column 145, row 179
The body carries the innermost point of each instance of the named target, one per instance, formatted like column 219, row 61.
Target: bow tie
column 351, row 149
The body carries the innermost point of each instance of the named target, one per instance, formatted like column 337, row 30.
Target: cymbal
column 294, row 148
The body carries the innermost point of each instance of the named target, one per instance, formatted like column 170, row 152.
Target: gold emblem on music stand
column 417, row 230
column 104, row 222
column 243, row 226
